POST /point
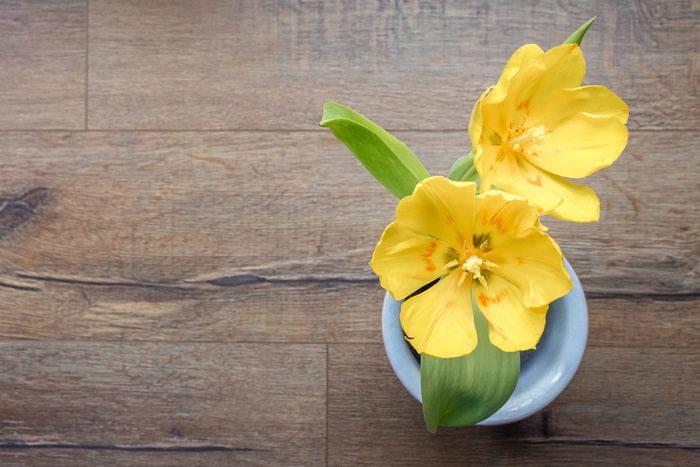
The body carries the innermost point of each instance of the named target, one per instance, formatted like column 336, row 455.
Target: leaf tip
column 328, row 109
column 577, row 36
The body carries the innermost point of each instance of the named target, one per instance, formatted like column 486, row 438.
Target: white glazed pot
column 544, row 372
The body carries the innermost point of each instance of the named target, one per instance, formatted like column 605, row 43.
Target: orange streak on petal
column 427, row 257
column 498, row 223
column 524, row 104
column 484, row 300
column 537, row 181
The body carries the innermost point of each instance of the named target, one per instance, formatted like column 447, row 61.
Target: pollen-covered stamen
column 472, row 263
column 451, row 264
column 533, row 135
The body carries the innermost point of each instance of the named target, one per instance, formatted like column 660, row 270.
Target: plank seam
column 604, row 442
column 328, row 351
column 251, row 279
column 225, row 281
column 87, row 62
column 17, row 444
column 271, row 130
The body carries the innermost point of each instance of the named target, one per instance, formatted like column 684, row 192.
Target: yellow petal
column 522, row 62
column 507, row 105
column 535, row 265
column 440, row 321
column 563, row 104
column 439, row 208
column 476, row 128
column 405, row 260
column 539, row 74
column 554, row 195
column 565, row 68
column 512, row 325
column 501, row 217
column 565, row 152
column 579, row 203
column 487, row 161
column 532, row 87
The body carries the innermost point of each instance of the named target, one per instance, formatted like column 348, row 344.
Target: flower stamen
column 465, row 274
column 533, row 135
column 472, row 265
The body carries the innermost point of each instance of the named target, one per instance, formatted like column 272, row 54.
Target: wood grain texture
column 43, row 64
column 125, row 208
column 183, row 251
column 217, row 64
column 254, row 404
column 620, row 409
column 316, row 312
column 105, row 456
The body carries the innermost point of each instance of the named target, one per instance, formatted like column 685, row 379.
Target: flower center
column 472, row 264
column 533, row 135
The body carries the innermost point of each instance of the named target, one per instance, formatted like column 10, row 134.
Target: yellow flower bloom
column 491, row 245
column 538, row 125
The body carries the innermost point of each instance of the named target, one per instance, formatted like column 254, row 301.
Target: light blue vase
column 544, row 372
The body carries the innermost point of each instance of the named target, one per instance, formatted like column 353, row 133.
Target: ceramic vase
column 544, row 371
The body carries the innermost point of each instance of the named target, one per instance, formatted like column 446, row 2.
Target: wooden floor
column 183, row 253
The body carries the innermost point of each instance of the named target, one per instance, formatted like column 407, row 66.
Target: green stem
column 471, row 176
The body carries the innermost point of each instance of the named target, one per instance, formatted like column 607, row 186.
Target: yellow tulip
column 491, row 245
column 538, row 125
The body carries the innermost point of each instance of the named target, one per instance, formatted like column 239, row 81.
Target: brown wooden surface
column 183, row 271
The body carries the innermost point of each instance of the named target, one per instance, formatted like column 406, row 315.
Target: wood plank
column 217, row 64
column 460, row 448
column 126, row 208
column 254, row 404
column 644, row 322
column 105, row 457
column 620, row 409
column 43, row 64
column 316, row 312
column 498, row 454
column 642, row 395
column 303, row 312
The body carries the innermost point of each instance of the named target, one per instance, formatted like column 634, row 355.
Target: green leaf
column 466, row 390
column 577, row 37
column 463, row 170
column 385, row 157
